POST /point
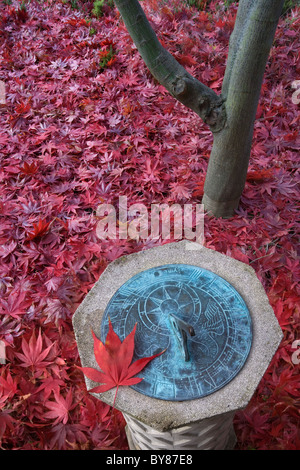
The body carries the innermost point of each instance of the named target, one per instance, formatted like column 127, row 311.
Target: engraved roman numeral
column 208, row 379
column 127, row 291
column 194, row 276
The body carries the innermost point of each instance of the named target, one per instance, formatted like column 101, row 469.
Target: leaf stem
column 113, row 408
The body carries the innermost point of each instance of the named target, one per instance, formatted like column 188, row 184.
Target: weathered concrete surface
column 165, row 415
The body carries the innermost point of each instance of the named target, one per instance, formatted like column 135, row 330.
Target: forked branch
column 167, row 71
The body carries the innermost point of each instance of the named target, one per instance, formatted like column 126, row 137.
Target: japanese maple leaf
column 259, row 176
column 50, row 385
column 34, row 354
column 8, row 388
column 6, row 421
column 39, row 229
column 199, row 189
column 115, row 361
column 60, row 407
column 29, row 168
column 180, row 191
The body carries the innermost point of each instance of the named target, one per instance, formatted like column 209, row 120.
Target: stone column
column 215, row 433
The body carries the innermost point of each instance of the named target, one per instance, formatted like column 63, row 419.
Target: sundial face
column 159, row 300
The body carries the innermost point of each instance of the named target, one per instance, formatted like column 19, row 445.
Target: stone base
column 215, row 433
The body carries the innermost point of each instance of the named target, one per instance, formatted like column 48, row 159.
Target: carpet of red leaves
column 83, row 123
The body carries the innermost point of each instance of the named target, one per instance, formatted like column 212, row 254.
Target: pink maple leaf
column 60, row 407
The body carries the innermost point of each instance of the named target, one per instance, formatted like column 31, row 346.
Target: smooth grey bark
column 231, row 115
column 243, row 15
column 249, row 51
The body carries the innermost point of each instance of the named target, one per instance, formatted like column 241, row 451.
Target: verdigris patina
column 199, row 318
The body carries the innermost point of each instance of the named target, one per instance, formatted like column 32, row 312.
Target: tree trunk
column 230, row 116
column 248, row 53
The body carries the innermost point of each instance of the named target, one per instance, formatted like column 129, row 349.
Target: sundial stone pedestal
column 213, row 316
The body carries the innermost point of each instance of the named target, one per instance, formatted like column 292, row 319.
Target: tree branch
column 242, row 17
column 167, row 71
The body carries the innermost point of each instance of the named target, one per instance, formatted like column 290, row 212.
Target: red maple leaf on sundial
column 114, row 358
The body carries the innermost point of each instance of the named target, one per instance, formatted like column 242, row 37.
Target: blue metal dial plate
column 216, row 312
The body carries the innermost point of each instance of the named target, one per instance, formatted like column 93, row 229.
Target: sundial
column 196, row 315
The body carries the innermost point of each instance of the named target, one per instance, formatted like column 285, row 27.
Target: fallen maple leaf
column 259, row 176
column 39, row 230
column 29, row 168
column 5, row 421
column 60, row 407
column 199, row 189
column 114, row 358
column 35, row 353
